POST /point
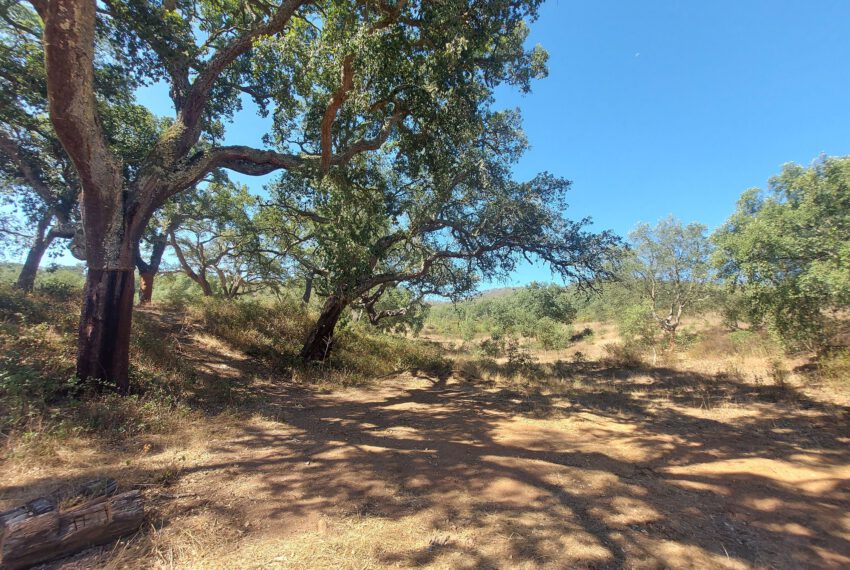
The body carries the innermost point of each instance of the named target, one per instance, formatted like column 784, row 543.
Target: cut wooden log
column 102, row 486
column 37, row 506
column 34, row 538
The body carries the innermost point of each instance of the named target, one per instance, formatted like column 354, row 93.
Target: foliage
column 52, row 278
column 639, row 329
column 668, row 265
column 217, row 242
column 623, row 356
column 551, row 334
column 519, row 358
column 835, row 366
column 434, row 227
column 273, row 329
column 608, row 303
column 492, row 347
column 336, row 80
column 537, row 311
column 270, row 330
column 38, row 177
column 786, row 251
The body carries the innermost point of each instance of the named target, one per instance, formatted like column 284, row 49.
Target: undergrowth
column 40, row 404
column 273, row 331
column 39, row 400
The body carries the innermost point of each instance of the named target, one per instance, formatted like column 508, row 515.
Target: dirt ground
column 604, row 468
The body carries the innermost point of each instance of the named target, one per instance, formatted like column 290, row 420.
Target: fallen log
column 30, row 536
column 102, row 486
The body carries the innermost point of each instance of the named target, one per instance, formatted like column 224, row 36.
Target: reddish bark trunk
column 148, row 271
column 320, row 340
column 146, row 288
column 103, row 350
column 205, row 287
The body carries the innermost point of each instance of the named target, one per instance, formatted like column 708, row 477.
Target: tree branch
column 366, row 145
column 190, row 113
column 257, row 162
column 29, row 172
column 339, row 97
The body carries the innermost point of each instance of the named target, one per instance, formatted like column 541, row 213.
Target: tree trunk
column 199, row 278
column 205, row 286
column 672, row 333
column 147, row 271
column 26, row 279
column 308, row 289
column 145, row 288
column 320, row 340
column 103, row 351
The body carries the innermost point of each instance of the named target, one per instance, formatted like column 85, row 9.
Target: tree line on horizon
column 780, row 263
column 393, row 169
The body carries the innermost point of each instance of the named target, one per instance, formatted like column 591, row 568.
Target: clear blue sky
column 670, row 107
column 675, row 107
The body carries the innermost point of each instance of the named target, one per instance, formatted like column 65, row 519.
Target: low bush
column 584, row 334
column 623, row 356
column 271, row 330
column 835, row 366
column 520, row 360
column 492, row 347
column 552, row 335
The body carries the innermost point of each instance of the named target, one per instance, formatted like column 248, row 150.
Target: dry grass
column 389, row 458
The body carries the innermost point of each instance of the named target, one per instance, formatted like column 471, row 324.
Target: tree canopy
column 669, row 265
column 787, row 250
column 434, row 228
column 337, row 79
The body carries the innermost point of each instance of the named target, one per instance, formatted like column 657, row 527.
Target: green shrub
column 467, row 329
column 492, row 347
column 272, row 330
column 520, row 360
column 638, row 328
column 552, row 335
column 584, row 334
column 175, row 289
column 686, row 337
column 757, row 342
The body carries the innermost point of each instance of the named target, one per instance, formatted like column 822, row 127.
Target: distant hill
column 486, row 294
column 497, row 292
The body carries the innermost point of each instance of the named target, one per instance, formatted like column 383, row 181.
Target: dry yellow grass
column 570, row 464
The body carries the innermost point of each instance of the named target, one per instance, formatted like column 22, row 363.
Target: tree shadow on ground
column 593, row 466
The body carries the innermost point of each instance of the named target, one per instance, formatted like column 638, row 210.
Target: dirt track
column 619, row 470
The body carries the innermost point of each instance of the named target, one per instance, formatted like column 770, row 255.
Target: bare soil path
column 607, row 469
